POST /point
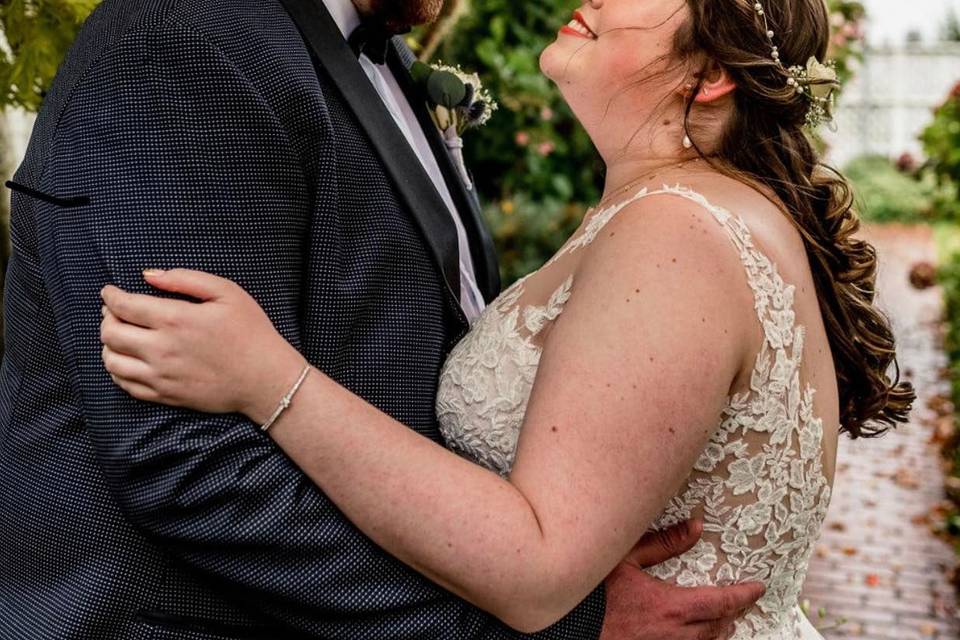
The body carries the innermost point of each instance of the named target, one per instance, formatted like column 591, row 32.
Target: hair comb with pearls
column 816, row 81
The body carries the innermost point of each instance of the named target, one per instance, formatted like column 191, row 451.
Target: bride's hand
column 218, row 355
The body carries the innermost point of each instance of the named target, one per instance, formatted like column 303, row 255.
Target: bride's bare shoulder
column 674, row 243
column 664, row 270
column 770, row 225
column 672, row 223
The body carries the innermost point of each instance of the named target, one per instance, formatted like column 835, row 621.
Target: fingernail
column 152, row 273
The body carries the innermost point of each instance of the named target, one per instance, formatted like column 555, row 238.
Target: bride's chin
column 555, row 66
column 560, row 63
column 546, row 60
column 549, row 62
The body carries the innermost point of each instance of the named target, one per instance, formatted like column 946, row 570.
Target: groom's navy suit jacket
column 217, row 135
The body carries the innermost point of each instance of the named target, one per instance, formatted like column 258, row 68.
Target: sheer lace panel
column 760, row 483
column 487, row 380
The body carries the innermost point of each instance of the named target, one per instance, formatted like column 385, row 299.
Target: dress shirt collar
column 345, row 14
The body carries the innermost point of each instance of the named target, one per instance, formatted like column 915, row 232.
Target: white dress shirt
column 345, row 14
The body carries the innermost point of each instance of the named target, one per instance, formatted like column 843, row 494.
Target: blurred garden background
column 888, row 564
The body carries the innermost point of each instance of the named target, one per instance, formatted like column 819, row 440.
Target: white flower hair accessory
column 817, row 81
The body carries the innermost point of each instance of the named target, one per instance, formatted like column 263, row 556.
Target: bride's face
column 616, row 57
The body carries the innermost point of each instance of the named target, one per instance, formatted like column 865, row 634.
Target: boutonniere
column 457, row 102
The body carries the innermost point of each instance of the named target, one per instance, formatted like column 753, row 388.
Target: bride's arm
column 633, row 379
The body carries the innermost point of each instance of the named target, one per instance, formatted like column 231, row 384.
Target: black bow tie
column 371, row 40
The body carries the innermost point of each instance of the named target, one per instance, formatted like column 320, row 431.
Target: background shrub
column 941, row 142
column 38, row 34
column 887, row 194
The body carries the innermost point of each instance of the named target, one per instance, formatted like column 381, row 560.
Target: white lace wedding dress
column 759, row 485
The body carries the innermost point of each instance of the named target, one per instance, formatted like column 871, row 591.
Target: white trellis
column 891, row 100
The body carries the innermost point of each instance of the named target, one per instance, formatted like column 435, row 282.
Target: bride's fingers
column 142, row 310
column 125, row 338
column 196, row 284
column 126, row 367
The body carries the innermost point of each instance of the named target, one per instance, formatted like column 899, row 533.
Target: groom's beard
column 400, row 15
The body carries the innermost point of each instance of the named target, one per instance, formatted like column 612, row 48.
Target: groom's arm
column 186, row 165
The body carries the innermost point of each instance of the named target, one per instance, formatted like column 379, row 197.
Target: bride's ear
column 715, row 85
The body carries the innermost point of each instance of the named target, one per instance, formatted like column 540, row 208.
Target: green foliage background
column 534, row 165
column 941, row 142
column 886, row 193
column 38, row 34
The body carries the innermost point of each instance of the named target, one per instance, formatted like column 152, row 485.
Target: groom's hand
column 640, row 607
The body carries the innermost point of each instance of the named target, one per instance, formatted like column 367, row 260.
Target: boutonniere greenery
column 457, row 102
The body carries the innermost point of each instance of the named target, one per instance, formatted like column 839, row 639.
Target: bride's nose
column 595, row 4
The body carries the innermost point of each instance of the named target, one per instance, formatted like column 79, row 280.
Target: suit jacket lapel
column 412, row 182
column 483, row 250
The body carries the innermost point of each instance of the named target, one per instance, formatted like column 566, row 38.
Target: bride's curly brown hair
column 764, row 143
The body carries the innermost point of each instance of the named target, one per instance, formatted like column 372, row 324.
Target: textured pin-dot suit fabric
column 206, row 137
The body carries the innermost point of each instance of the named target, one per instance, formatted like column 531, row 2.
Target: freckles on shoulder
column 671, row 269
column 662, row 236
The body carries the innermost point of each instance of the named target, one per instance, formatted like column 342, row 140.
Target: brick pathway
column 878, row 565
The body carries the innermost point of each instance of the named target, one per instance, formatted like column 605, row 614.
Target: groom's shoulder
column 237, row 26
column 241, row 30
column 116, row 17
column 201, row 35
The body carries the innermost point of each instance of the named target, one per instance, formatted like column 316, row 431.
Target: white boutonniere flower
column 457, row 102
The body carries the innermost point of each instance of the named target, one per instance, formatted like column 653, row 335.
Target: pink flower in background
column 546, row 114
column 546, row 148
column 907, row 163
column 522, row 138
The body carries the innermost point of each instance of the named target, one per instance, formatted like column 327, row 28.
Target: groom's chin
column 430, row 10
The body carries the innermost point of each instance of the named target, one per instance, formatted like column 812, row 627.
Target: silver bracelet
column 287, row 399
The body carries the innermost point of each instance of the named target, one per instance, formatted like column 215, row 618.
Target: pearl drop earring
column 687, row 142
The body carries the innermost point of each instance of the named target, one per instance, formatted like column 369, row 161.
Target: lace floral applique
column 596, row 223
column 759, row 482
column 487, row 381
column 534, row 318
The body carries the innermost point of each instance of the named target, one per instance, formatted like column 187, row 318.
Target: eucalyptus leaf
column 446, row 89
column 420, row 72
